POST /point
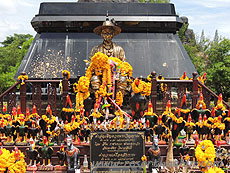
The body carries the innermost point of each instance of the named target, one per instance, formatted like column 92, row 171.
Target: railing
column 36, row 94
column 10, row 95
column 192, row 88
column 172, row 90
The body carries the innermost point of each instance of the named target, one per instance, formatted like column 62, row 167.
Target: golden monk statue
column 107, row 31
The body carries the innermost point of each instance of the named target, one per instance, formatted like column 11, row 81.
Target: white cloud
column 204, row 3
column 213, row 3
column 7, row 7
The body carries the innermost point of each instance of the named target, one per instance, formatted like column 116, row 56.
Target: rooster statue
column 67, row 111
column 32, row 154
column 61, row 159
column 200, row 109
column 46, row 153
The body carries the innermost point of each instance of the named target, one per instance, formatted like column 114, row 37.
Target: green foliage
column 12, row 51
column 181, row 32
column 212, row 57
column 218, row 67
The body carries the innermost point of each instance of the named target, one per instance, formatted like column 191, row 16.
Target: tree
column 11, row 53
column 218, row 67
column 211, row 56
column 216, row 37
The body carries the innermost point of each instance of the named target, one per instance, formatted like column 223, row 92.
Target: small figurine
column 59, row 130
column 96, row 115
column 177, row 125
column 45, row 153
column 86, row 132
column 199, row 126
column 48, row 120
column 27, row 120
column 220, row 109
column 81, row 118
column 200, row 109
column 154, row 153
column 189, row 128
column 73, row 156
column 168, row 111
column 34, row 116
column 218, row 128
column 159, row 130
column 67, row 111
column 33, row 130
column 2, row 131
column 206, row 129
column 192, row 151
column 227, row 124
column 148, row 133
column 21, row 131
column 9, row 131
column 137, row 101
column 73, row 128
column 32, row 154
column 184, row 110
column 149, row 115
column 61, row 160
column 184, row 152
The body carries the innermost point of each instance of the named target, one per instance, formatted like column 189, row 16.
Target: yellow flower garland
column 70, row 127
column 139, row 88
column 7, row 160
column 144, row 158
column 205, row 152
column 96, row 114
column 214, row 170
column 146, row 89
column 23, row 78
column 66, row 72
column 82, row 90
column 47, row 120
column 119, row 98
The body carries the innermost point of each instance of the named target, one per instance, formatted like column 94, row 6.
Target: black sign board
column 116, row 151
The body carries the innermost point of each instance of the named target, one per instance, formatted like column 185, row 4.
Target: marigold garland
column 126, row 69
column 23, row 78
column 47, row 120
column 8, row 160
column 65, row 71
column 100, row 65
column 71, row 126
column 139, row 88
column 205, row 152
column 144, row 158
column 82, row 90
column 214, row 170
column 119, row 98
column 96, row 114
column 147, row 89
column 219, row 125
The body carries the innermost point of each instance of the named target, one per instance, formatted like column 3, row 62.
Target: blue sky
column 207, row 15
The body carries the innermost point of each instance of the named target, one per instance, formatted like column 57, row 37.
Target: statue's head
column 95, row 82
column 107, row 33
column 108, row 29
column 69, row 140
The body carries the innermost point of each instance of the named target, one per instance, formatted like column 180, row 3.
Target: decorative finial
column 107, row 16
